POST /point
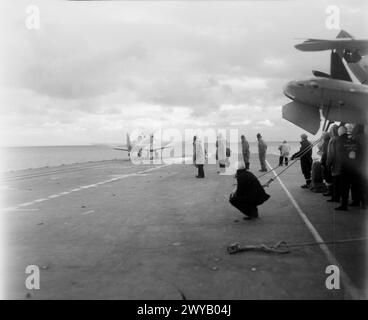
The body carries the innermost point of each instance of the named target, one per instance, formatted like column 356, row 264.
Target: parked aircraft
column 353, row 51
column 334, row 94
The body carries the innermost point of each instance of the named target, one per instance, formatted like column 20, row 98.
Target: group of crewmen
column 200, row 154
column 342, row 167
column 262, row 150
column 223, row 153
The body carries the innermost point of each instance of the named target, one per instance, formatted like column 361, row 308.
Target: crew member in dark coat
column 348, row 152
column 326, row 172
column 194, row 150
column 262, row 149
column 333, row 164
column 245, row 151
column 305, row 155
column 359, row 185
column 249, row 193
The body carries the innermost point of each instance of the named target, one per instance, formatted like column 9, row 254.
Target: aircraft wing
column 340, row 43
column 148, row 147
column 302, row 115
column 120, row 148
column 161, row 148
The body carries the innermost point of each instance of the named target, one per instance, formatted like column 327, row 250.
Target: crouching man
column 248, row 194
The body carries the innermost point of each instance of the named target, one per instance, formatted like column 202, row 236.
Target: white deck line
column 347, row 283
column 53, row 196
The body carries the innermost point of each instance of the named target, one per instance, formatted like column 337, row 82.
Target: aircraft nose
column 289, row 89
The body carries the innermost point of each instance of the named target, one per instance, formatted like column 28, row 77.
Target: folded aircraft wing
column 302, row 115
column 340, row 43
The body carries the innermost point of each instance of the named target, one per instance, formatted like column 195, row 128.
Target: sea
column 21, row 158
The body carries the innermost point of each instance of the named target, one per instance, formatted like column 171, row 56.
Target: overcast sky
column 95, row 70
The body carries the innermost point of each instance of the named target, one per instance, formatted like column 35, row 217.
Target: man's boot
column 329, row 191
column 307, row 184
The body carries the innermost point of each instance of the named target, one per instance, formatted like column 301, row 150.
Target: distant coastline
column 110, row 144
column 14, row 158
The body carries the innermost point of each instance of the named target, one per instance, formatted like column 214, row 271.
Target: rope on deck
column 279, row 248
column 267, row 184
column 282, row 247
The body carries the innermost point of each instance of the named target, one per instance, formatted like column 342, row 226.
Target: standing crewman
column 194, row 150
column 305, row 155
column 221, row 153
column 333, row 163
column 359, row 185
column 262, row 149
column 284, row 153
column 199, row 157
column 347, row 151
column 326, row 172
column 245, row 151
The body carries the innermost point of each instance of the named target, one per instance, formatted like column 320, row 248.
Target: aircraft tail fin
column 129, row 146
column 344, row 34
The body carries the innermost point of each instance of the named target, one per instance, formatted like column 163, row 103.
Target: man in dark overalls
column 249, row 193
column 347, row 150
column 305, row 155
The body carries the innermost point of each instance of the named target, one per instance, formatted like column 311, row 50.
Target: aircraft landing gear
column 326, row 125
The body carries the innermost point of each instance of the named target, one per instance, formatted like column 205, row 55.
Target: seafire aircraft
column 143, row 143
column 128, row 147
column 334, row 94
